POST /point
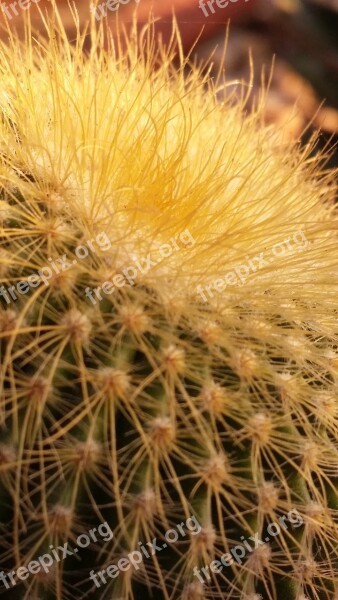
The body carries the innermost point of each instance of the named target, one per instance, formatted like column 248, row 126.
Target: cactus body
column 197, row 393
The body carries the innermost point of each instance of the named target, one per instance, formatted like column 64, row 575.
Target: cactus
column 168, row 333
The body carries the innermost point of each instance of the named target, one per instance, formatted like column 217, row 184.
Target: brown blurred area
column 301, row 34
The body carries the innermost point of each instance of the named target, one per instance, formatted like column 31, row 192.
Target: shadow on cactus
column 150, row 409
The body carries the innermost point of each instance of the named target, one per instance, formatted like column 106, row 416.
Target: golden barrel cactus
column 168, row 334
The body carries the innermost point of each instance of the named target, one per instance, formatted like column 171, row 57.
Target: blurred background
column 302, row 35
